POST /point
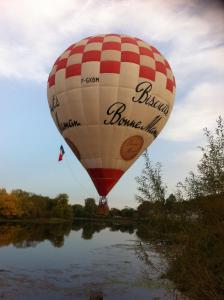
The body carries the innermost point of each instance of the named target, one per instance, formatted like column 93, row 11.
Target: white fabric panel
column 108, row 80
column 75, row 106
column 93, row 46
column 159, row 88
column 129, row 47
column 147, row 61
column 91, row 104
column 112, row 38
column 74, row 59
column 129, row 75
column 73, row 83
column 90, row 69
column 107, row 96
column 107, row 137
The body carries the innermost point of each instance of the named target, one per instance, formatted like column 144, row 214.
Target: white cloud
column 33, row 33
column 187, row 159
column 179, row 166
column 199, row 109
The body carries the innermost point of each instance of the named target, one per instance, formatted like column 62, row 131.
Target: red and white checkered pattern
column 110, row 54
column 94, row 74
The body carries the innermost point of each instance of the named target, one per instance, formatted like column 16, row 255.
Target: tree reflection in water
column 30, row 235
column 89, row 228
column 23, row 235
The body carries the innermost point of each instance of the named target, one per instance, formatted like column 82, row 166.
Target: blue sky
column 34, row 33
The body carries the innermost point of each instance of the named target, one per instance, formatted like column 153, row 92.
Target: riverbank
column 36, row 220
column 193, row 242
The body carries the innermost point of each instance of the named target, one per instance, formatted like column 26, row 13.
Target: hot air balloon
column 110, row 95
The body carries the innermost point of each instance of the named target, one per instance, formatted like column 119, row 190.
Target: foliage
column 8, row 205
column 61, row 208
column 78, row 211
column 90, row 206
column 209, row 179
column 127, row 212
column 21, row 204
column 191, row 234
column 114, row 212
column 144, row 209
column 3, row 191
column 150, row 183
column 86, row 211
column 198, row 270
column 170, row 202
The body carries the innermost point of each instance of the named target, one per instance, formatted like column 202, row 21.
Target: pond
column 71, row 261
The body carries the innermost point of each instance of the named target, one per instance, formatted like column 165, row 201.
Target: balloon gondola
column 110, row 95
column 103, row 208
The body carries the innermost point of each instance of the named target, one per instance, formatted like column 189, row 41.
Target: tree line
column 21, row 204
column 89, row 210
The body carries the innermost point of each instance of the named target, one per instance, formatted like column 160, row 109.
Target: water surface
column 65, row 261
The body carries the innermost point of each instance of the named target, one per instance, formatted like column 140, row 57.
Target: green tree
column 170, row 202
column 114, row 212
column 209, row 179
column 211, row 166
column 90, row 206
column 150, row 183
column 128, row 212
column 61, row 208
column 3, row 191
column 78, row 210
column 8, row 206
column 145, row 209
column 62, row 199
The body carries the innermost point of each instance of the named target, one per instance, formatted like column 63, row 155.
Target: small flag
column 61, row 153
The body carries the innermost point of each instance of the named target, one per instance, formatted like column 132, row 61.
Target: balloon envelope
column 110, row 96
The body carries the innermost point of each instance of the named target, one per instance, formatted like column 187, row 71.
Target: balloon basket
column 103, row 208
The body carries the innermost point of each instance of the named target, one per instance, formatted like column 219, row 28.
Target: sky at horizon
column 33, row 34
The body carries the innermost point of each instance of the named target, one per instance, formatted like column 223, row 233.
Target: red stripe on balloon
column 95, row 39
column 104, row 179
column 155, row 50
column 146, row 51
column 61, row 64
column 128, row 56
column 77, row 49
column 93, row 55
column 147, row 72
column 169, row 85
column 51, row 80
column 110, row 67
column 111, row 46
column 73, row 70
column 160, row 67
column 128, row 40
column 167, row 64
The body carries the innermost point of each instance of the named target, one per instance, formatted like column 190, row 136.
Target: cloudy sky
column 33, row 34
